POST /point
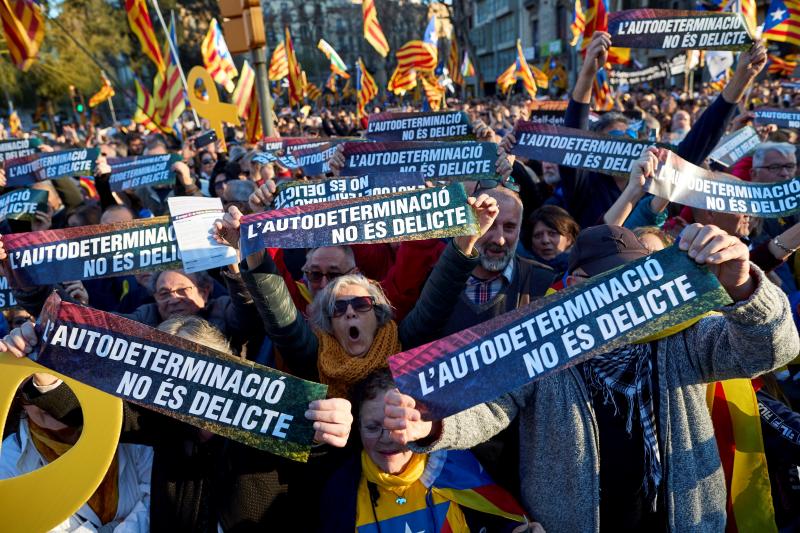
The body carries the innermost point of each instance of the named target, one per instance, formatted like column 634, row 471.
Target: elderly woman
column 351, row 332
column 548, row 237
column 387, row 484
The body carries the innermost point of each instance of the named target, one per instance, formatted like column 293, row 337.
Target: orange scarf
column 53, row 444
column 341, row 371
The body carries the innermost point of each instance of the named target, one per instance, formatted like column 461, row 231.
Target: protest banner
column 7, row 300
column 89, row 252
column 577, row 148
column 672, row 29
column 22, row 204
column 496, row 357
column 422, row 214
column 238, row 399
column 783, row 118
column 438, row 125
column 547, row 111
column 434, row 159
column 734, row 146
column 16, row 148
column 693, row 186
column 314, row 160
column 27, row 170
column 287, row 161
column 294, row 193
column 131, row 172
column 674, row 67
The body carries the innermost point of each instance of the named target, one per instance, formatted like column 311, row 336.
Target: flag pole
column 175, row 55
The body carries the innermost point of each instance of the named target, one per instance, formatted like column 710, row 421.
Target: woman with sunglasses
column 351, row 331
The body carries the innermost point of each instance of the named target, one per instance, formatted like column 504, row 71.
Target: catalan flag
column 452, row 63
column 278, row 63
column 145, row 108
column 781, row 67
column 578, row 24
column 217, row 58
column 252, row 127
column 372, row 28
column 507, row 78
column 14, row 124
column 782, row 23
column 523, row 71
column 603, row 100
column 540, row 77
column 295, row 74
column 366, row 89
column 23, row 26
column 337, row 65
column 402, row 81
column 243, row 90
column 467, row 69
column 142, row 26
column 313, row 92
column 433, row 91
column 167, row 87
column 106, row 91
column 418, row 55
column 748, row 10
column 597, row 20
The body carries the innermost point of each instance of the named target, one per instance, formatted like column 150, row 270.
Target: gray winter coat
column 559, row 456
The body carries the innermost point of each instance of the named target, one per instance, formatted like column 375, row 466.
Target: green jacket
column 293, row 336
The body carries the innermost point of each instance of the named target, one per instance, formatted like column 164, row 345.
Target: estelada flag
column 782, row 23
column 597, row 20
column 578, row 24
column 217, row 58
column 23, row 26
column 366, row 89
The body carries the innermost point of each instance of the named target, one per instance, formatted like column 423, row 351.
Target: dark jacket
column 590, row 194
column 295, row 339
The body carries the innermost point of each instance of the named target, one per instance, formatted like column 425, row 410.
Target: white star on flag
column 408, row 529
column 778, row 14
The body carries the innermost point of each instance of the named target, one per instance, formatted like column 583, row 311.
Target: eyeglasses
column 360, row 304
column 791, row 167
column 315, row 276
column 488, row 184
column 207, row 161
column 373, row 431
column 181, row 292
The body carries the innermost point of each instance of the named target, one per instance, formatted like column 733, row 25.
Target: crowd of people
column 624, row 441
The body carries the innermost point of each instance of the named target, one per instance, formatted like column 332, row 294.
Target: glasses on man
column 360, row 304
column 791, row 167
column 315, row 276
column 487, row 184
column 180, row 292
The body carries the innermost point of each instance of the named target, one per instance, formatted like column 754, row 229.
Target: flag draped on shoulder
column 418, row 55
column 782, row 23
column 244, row 87
column 23, row 27
column 278, row 63
column 106, row 91
column 372, row 28
column 366, row 89
column 142, row 26
column 578, row 24
column 453, row 66
column 217, row 58
column 295, row 73
column 167, row 87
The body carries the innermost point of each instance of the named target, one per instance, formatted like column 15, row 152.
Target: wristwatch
column 783, row 247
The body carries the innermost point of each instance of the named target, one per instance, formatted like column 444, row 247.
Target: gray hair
column 346, row 250
column 197, row 330
column 606, row 119
column 763, row 149
column 321, row 310
column 202, row 280
column 238, row 190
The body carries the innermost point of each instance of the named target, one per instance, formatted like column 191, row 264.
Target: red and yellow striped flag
column 278, row 63
column 217, row 58
column 295, row 74
column 539, row 77
column 142, row 26
column 245, row 86
column 105, row 92
column 313, row 92
column 366, row 89
column 782, row 23
column 507, row 78
column 23, row 26
column 145, row 108
column 578, row 24
column 417, row 55
column 433, row 91
column 168, row 88
column 453, row 63
column 252, row 127
column 372, row 28
column 402, row 81
column 597, row 20
column 781, row 67
column 524, row 71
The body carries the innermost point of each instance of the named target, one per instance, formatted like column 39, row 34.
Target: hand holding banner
column 238, row 399
column 422, row 214
column 484, row 362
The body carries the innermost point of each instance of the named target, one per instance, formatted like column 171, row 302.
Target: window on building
column 561, row 22
column 535, row 37
column 505, row 28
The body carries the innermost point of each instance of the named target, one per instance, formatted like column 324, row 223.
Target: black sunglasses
column 361, row 304
column 487, row 184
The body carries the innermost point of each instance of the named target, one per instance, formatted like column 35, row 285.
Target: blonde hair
column 197, row 330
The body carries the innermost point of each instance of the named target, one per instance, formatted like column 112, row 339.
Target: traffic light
column 243, row 25
column 79, row 107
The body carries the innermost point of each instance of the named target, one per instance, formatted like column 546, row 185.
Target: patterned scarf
column 341, row 371
column 627, row 371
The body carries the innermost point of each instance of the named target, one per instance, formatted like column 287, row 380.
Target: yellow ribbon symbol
column 42, row 499
column 213, row 110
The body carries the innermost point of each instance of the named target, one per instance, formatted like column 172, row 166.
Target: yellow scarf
column 341, row 371
column 51, row 444
column 396, row 483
